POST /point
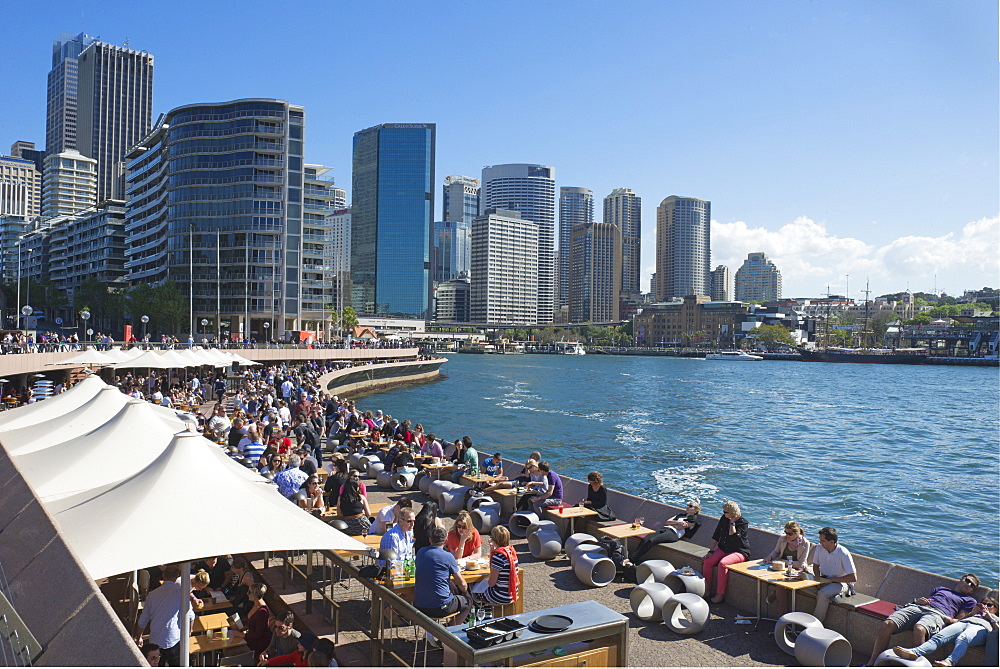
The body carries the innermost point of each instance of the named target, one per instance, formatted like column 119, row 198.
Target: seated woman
column 426, row 520
column 971, row 631
column 682, row 526
column 239, row 594
column 597, row 497
column 502, row 585
column 314, row 494
column 522, row 479
column 730, row 545
column 403, row 461
column 258, row 633
column 353, row 507
column 335, row 482
column 464, row 541
column 792, row 545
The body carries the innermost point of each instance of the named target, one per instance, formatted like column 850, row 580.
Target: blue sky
column 842, row 138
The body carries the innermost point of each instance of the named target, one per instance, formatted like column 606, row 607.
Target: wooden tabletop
column 571, row 512
column 757, row 569
column 625, row 531
column 504, row 492
column 200, row 643
column 212, row 621
column 482, row 478
column 212, row 605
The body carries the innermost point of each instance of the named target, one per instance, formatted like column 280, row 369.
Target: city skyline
column 838, row 140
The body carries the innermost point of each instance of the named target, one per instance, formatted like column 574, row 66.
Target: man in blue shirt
column 493, row 466
column 400, row 537
column 162, row 614
column 440, row 589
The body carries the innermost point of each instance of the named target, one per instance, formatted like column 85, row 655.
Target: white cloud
column 809, row 257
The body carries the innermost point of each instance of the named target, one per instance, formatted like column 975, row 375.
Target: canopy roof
column 89, row 357
column 154, row 516
column 54, row 407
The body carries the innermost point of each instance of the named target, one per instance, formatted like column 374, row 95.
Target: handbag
column 605, row 513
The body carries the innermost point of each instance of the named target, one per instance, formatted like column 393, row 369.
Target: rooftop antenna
column 126, row 42
column 848, row 296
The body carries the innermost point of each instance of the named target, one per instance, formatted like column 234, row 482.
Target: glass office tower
column 391, row 213
column 218, row 188
column 576, row 207
column 683, row 248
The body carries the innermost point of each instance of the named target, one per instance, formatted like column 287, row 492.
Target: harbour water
column 903, row 461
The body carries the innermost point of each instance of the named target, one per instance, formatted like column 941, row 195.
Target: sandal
column 904, row 653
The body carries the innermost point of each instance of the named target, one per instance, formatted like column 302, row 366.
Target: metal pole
column 191, row 280
column 218, row 286
column 17, row 307
column 185, row 649
column 246, row 296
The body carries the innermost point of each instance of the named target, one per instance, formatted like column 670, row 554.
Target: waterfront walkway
column 552, row 583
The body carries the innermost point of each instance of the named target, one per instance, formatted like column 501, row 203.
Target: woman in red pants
column 730, row 544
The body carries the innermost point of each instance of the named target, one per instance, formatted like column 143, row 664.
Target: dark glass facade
column 391, row 212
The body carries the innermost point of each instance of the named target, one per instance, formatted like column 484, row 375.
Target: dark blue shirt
column 434, row 569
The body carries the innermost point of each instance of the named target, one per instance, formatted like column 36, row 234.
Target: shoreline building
column 504, row 286
column 721, row 282
column 100, row 103
column 391, row 212
column 683, row 248
column 320, row 199
column 69, row 183
column 576, row 207
column 758, row 280
column 595, row 273
column 695, row 320
column 530, row 190
column 217, row 188
column 623, row 208
column 338, row 239
column 20, row 188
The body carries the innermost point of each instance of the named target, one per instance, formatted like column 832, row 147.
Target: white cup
column 224, row 633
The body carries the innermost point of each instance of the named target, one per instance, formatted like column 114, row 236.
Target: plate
column 547, row 624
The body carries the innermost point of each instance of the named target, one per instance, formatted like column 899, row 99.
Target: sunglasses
column 969, row 581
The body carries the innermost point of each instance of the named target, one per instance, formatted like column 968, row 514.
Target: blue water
column 902, row 460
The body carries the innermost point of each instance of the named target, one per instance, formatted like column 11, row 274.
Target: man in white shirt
column 832, row 563
column 385, row 518
column 162, row 614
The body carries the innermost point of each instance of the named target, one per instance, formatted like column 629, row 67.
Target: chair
column 424, row 482
column 486, row 516
column 451, row 500
column 789, row 626
column 374, row 469
column 520, row 522
column 596, row 570
column 404, row 481
column 384, row 479
column 541, row 525
column 673, row 613
column 544, row 544
column 681, row 582
column 654, row 571
column 890, row 659
column 443, row 622
column 647, row 601
column 584, row 549
column 820, row 647
column 575, row 540
column 241, row 660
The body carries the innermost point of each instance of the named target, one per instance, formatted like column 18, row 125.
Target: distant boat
column 740, row 356
column 572, row 348
column 881, row 356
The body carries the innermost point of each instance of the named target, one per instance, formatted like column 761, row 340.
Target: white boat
column 733, row 355
column 572, row 348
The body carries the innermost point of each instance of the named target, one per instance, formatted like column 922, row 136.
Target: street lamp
column 144, row 319
column 26, row 311
column 85, row 315
column 204, row 324
column 267, row 340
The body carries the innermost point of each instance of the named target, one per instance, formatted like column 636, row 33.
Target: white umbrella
column 147, row 518
column 54, row 407
column 118, row 355
column 149, row 359
column 89, row 357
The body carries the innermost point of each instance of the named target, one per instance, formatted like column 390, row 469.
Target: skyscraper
column 217, row 188
column 100, row 103
column 576, row 207
column 461, row 199
column 721, row 284
column 391, row 213
column 69, row 183
column 529, row 190
column 452, row 243
column 504, row 288
column 758, row 280
column 683, row 248
column 624, row 209
column 595, row 273
column 20, row 188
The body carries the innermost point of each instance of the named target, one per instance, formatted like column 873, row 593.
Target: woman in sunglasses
column 681, row 526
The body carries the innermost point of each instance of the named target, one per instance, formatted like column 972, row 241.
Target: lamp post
column 204, row 324
column 85, row 315
column 26, row 311
column 144, row 319
column 267, row 340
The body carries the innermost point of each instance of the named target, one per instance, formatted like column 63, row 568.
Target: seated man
column 386, row 518
column 493, row 466
column 440, row 589
column 552, row 494
column 400, row 537
column 927, row 615
column 832, row 562
column 284, row 638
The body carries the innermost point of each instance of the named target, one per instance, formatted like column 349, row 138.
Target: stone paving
column 551, row 583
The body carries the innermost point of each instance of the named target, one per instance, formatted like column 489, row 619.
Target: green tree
column 945, row 311
column 772, row 334
column 922, row 318
column 349, row 318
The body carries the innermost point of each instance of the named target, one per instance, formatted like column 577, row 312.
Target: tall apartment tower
column 529, row 190
column 452, row 244
column 320, row 198
column 595, row 273
column 217, row 188
column 338, row 237
column 576, row 207
column 683, row 248
column 20, row 188
column 391, row 214
column 100, row 103
column 758, row 279
column 69, row 183
column 721, row 284
column 504, row 289
column 624, row 209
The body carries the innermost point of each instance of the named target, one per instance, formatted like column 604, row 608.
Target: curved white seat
column 654, row 571
column 696, row 608
column 586, row 549
column 788, row 627
column 541, row 525
column 384, row 479
column 576, row 539
column 890, row 659
column 693, row 583
column 373, row 469
column 820, row 647
column 595, row 570
column 451, row 500
column 486, row 517
column 647, row 600
column 520, row 522
column 401, row 482
column 544, row 544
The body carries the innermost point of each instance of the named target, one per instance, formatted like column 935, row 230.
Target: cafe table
column 481, row 480
column 507, row 498
column 201, row 645
column 211, row 621
column 210, row 606
column 761, row 573
column 572, row 513
column 625, row 531
column 405, row 588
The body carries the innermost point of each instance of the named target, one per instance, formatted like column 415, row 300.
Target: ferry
column 741, row 356
column 571, row 348
column 881, row 356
